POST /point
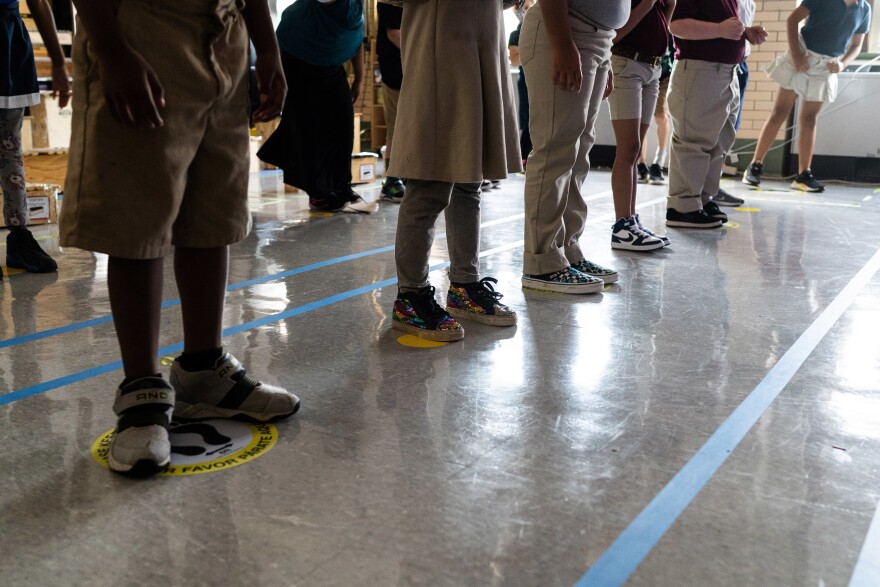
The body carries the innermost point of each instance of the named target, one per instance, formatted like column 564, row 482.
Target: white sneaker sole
column 632, row 247
column 361, row 208
column 568, row 288
column 805, row 188
column 685, row 224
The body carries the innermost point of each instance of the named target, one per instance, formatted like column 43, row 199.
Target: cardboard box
column 363, row 167
column 42, row 203
column 50, row 125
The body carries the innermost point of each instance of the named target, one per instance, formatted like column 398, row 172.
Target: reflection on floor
column 516, row 456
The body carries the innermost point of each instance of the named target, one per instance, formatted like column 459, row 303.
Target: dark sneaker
column 419, row 314
column 393, row 190
column 697, row 219
column 606, row 274
column 140, row 445
column 723, row 198
column 479, row 301
column 23, row 252
column 752, row 174
column 805, row 182
column 655, row 175
column 665, row 239
column 712, row 209
column 568, row 280
column 642, row 172
column 227, row 391
column 628, row 235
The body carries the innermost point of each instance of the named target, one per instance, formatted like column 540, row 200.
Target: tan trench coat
column 456, row 119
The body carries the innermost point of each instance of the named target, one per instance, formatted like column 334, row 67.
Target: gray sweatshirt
column 603, row 14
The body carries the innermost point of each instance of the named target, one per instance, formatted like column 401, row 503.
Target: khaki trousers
column 562, row 127
column 703, row 103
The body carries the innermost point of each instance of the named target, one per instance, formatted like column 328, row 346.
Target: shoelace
column 484, row 292
column 426, row 307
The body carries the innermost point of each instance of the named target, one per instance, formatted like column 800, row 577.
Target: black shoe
column 723, row 198
column 655, row 175
column 698, row 219
column 23, row 252
column 712, row 209
column 752, row 175
column 807, row 183
column 643, row 173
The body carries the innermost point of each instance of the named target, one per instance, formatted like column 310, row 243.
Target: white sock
column 660, row 157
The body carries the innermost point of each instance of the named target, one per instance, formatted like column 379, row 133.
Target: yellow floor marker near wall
column 747, row 209
column 730, row 224
column 207, row 446
column 419, row 343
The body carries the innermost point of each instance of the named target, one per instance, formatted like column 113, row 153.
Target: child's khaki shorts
column 135, row 193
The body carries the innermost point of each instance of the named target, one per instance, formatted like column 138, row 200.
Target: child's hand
column 132, row 90
column 755, row 34
column 800, row 62
column 834, row 66
column 272, row 87
column 60, row 85
column 731, row 29
column 567, row 73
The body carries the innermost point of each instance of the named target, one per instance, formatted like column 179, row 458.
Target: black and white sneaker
column 643, row 173
column 626, row 234
column 655, row 175
column 227, row 391
column 806, row 182
column 712, row 209
column 140, row 445
column 568, row 280
column 696, row 219
column 606, row 274
column 752, row 174
column 723, row 198
column 665, row 239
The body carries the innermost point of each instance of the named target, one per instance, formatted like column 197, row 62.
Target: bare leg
column 807, row 134
column 623, row 174
column 201, row 280
column 135, row 288
column 664, row 130
column 785, row 101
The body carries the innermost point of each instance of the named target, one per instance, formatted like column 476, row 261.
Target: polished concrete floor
column 713, row 419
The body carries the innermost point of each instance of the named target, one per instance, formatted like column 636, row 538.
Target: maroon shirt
column 715, row 50
column 651, row 35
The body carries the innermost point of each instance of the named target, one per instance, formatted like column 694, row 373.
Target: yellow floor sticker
column 419, row 343
column 747, row 209
column 207, row 446
column 730, row 224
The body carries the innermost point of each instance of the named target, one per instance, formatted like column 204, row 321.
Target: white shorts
column 817, row 84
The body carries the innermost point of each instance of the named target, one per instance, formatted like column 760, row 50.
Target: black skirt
column 18, row 82
column 313, row 142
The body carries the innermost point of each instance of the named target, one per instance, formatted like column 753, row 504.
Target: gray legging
column 419, row 210
column 15, row 211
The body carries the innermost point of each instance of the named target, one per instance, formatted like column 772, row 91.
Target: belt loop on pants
column 630, row 53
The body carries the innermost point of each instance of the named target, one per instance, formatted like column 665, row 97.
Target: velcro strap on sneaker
column 147, row 415
column 144, row 392
column 244, row 386
column 227, row 366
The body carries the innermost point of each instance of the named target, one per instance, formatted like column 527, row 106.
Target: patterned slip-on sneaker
column 606, row 274
column 227, row 391
column 479, row 301
column 140, row 445
column 568, row 280
column 419, row 314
